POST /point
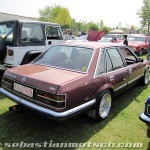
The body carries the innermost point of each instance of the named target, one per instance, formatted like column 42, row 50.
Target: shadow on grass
column 31, row 127
column 2, row 97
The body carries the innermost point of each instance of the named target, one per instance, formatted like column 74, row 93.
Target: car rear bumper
column 46, row 111
column 144, row 118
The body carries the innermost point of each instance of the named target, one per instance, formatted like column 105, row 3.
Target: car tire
column 102, row 106
column 145, row 78
column 2, row 49
column 148, row 132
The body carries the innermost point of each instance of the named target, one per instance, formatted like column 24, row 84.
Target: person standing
column 148, row 54
column 125, row 40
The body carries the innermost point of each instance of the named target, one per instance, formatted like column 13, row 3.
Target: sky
column 110, row 11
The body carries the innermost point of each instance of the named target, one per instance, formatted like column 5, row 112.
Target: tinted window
column 115, row 58
column 73, row 58
column 128, row 54
column 100, row 64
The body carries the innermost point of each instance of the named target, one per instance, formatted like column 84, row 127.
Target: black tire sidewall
column 142, row 81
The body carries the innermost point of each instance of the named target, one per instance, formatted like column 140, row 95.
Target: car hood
column 42, row 77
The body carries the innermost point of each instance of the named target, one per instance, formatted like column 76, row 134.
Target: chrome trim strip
column 144, row 118
column 99, row 57
column 135, row 79
column 120, row 87
column 51, row 99
column 46, row 111
column 19, row 82
column 6, row 82
column 71, row 69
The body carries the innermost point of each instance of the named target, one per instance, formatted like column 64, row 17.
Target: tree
column 102, row 25
column 56, row 14
column 120, row 25
column 92, row 27
column 144, row 14
column 106, row 29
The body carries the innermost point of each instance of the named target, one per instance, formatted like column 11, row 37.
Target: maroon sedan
column 74, row 77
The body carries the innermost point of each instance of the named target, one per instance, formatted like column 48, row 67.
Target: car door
column 116, row 69
column 53, row 35
column 134, row 67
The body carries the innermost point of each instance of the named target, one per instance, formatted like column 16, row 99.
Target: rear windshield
column 68, row 57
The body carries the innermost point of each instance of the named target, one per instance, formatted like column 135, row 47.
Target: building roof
column 6, row 16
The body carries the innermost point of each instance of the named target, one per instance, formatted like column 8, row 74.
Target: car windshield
column 137, row 39
column 67, row 57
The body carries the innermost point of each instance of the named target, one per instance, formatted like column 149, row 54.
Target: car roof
column 30, row 21
column 94, row 44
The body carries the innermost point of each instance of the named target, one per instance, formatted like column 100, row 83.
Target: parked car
column 82, row 38
column 115, row 38
column 74, row 77
column 145, row 116
column 139, row 43
column 21, row 41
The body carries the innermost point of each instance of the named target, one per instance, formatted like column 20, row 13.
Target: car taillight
column 7, row 83
column 10, row 52
column 54, row 97
column 57, row 101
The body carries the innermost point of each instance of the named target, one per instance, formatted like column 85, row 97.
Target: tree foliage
column 106, row 29
column 57, row 14
column 144, row 14
column 93, row 27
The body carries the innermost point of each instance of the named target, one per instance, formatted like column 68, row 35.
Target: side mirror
column 49, row 42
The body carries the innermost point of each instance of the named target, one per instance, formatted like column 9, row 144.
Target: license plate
column 23, row 89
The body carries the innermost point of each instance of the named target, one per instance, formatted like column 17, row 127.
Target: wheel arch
column 100, row 90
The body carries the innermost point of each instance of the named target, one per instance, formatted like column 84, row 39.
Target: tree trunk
column 148, row 28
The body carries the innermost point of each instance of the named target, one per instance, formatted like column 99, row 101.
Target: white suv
column 22, row 41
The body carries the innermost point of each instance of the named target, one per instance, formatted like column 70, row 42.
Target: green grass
column 121, row 126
